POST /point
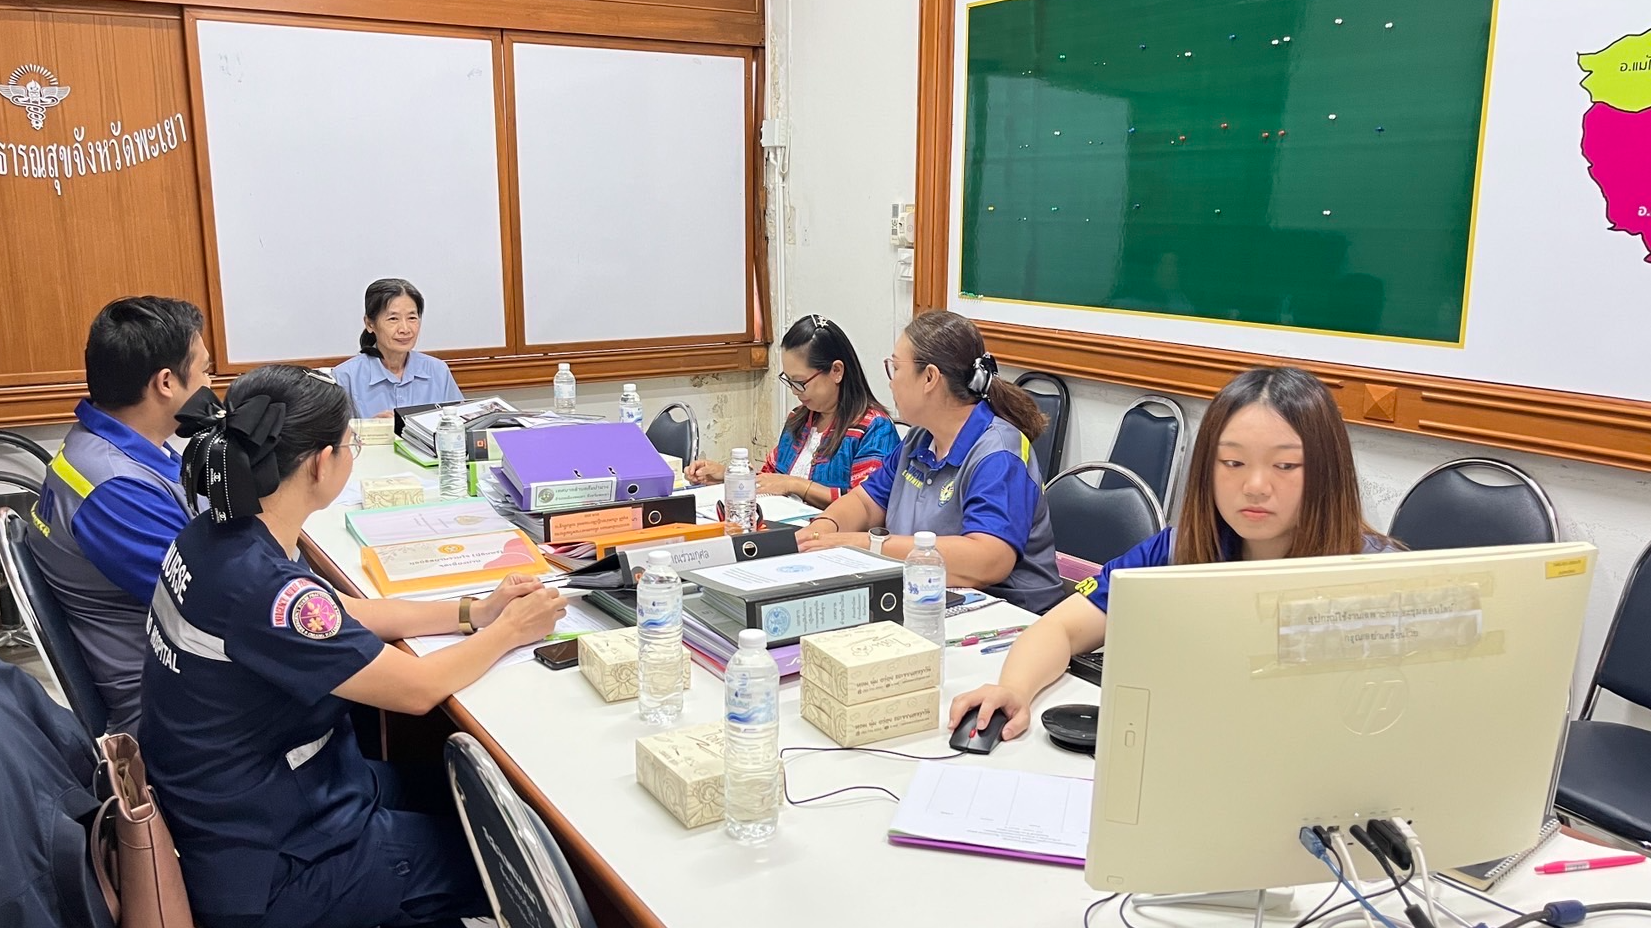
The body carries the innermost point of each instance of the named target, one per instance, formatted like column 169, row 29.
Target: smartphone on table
column 559, row 655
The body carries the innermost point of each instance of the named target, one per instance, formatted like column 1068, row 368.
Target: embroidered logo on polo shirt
column 946, row 492
column 308, row 608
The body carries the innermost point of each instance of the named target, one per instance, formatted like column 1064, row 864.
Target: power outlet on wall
column 903, row 225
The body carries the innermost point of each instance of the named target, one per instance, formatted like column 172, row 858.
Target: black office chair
column 44, row 619
column 1447, row 508
column 26, row 445
column 19, row 492
column 1605, row 779
column 1153, row 444
column 673, row 436
column 1050, row 447
column 1098, row 523
column 528, row 881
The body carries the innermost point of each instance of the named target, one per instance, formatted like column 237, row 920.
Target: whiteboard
column 1556, row 297
column 339, row 157
column 631, row 171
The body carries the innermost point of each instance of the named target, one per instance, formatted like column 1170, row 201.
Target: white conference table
column 573, row 758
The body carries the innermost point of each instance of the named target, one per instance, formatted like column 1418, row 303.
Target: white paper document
column 1008, row 810
column 580, row 618
column 788, row 569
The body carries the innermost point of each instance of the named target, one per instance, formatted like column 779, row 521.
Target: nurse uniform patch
column 308, row 608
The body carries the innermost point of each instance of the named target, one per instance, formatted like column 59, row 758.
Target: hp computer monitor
column 1243, row 701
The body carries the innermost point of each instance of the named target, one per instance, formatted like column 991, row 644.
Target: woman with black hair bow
column 964, row 472
column 278, row 818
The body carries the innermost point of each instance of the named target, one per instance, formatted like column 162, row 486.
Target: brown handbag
column 146, row 890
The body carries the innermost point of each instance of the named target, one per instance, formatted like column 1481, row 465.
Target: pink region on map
column 1618, row 148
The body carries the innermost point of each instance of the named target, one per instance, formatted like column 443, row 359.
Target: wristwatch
column 878, row 536
column 465, row 624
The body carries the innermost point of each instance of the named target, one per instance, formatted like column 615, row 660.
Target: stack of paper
column 999, row 813
column 419, row 431
column 425, row 522
column 422, row 568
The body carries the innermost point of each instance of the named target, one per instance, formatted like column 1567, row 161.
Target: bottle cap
column 742, row 454
column 924, row 539
column 754, row 639
column 630, row 388
column 562, row 366
column 659, row 558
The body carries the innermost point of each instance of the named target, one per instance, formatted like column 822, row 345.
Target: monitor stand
column 1259, row 901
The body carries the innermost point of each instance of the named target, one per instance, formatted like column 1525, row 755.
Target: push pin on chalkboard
column 1326, row 212
column 1233, row 37
column 1218, row 212
column 1275, row 41
column 1380, row 130
column 1223, row 125
column 1286, row 38
column 1057, row 132
column 1131, row 130
column 1183, row 138
column 1061, row 57
column 1266, row 135
column 1143, row 48
column 1338, row 20
column 1332, row 117
column 1137, row 206
column 1388, row 26
column 1282, row 133
column 991, row 209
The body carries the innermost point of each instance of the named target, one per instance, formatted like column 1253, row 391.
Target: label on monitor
column 1378, row 625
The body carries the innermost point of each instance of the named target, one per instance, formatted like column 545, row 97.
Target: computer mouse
column 966, row 737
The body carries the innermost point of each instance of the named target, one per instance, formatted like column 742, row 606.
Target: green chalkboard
column 1305, row 163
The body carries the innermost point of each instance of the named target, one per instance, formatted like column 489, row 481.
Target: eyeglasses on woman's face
column 798, row 386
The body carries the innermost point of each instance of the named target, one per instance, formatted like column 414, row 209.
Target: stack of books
column 418, row 431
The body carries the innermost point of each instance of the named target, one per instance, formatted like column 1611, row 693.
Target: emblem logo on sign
column 34, row 97
column 316, row 615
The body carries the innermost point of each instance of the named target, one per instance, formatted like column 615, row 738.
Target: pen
column 1000, row 646
column 567, row 636
column 987, row 635
column 1596, row 863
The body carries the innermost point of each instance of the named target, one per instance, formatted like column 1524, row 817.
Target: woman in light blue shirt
column 388, row 373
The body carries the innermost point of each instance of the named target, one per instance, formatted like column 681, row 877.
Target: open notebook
column 999, row 813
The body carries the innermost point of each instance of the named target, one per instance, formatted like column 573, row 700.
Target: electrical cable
column 786, row 781
column 1315, row 846
column 1090, row 912
column 1344, row 854
column 1572, row 912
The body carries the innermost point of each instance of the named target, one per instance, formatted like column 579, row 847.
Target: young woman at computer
column 1272, row 476
column 964, row 472
column 836, row 436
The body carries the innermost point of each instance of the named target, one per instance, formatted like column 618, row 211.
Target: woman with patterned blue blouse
column 836, row 437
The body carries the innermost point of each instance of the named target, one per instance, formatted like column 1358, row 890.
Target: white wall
column 852, row 108
column 852, row 105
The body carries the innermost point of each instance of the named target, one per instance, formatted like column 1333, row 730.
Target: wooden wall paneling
column 720, row 22
column 100, row 201
column 1600, row 430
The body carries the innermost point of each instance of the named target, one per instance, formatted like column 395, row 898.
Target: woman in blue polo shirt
column 836, row 436
column 253, row 660
column 1272, row 476
column 388, row 373
column 964, row 472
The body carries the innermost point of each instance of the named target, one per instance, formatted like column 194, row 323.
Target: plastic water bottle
column 565, row 390
column 751, row 741
column 659, row 653
column 454, row 472
column 925, row 586
column 630, row 405
column 739, row 493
